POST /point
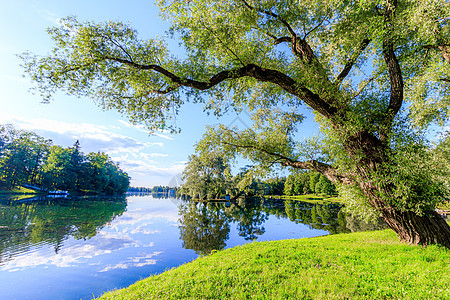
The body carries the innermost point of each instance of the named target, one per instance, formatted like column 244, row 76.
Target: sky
column 149, row 159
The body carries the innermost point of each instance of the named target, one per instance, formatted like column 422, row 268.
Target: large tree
column 22, row 154
column 206, row 177
column 376, row 74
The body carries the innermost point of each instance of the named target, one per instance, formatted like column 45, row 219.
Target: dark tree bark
column 429, row 228
column 425, row 229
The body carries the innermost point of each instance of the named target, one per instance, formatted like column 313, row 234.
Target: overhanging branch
column 250, row 70
column 329, row 171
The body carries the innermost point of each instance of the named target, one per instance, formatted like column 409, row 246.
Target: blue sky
column 149, row 159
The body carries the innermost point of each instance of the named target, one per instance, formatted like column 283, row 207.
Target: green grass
column 21, row 190
column 366, row 265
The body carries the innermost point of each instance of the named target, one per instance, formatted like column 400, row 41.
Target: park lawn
column 365, row 265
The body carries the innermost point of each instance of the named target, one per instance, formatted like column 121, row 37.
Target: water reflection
column 206, row 226
column 203, row 227
column 30, row 224
column 82, row 247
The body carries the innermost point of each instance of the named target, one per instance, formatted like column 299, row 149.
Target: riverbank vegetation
column 28, row 159
column 365, row 265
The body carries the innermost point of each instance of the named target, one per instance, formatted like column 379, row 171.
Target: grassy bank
column 22, row 191
column 368, row 265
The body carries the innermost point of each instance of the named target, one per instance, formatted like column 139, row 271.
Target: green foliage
column 313, row 180
column 27, row 158
column 356, row 202
column 325, row 186
column 289, row 185
column 160, row 189
column 21, row 156
column 206, row 176
column 302, row 183
column 275, row 185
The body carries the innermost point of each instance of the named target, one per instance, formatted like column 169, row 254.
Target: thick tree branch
column 323, row 168
column 349, row 65
column 299, row 46
column 395, row 77
column 284, row 39
column 250, row 70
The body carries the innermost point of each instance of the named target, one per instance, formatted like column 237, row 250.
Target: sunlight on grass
column 368, row 265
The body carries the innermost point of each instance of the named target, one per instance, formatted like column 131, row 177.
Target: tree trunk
column 430, row 228
column 426, row 229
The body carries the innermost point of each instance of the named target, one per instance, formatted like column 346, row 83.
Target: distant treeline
column 155, row 189
column 209, row 177
column 27, row 158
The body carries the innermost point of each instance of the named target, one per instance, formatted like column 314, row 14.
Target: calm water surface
column 80, row 248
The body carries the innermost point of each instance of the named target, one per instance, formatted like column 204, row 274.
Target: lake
column 78, row 248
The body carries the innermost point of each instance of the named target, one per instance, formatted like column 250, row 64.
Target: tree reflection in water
column 33, row 223
column 250, row 217
column 205, row 226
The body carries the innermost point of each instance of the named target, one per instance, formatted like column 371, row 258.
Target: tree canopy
column 376, row 74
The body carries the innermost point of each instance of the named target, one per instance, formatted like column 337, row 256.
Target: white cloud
column 148, row 155
column 68, row 256
column 154, row 144
column 93, row 137
column 137, row 127
column 134, row 262
column 149, row 167
column 162, row 134
column 49, row 16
